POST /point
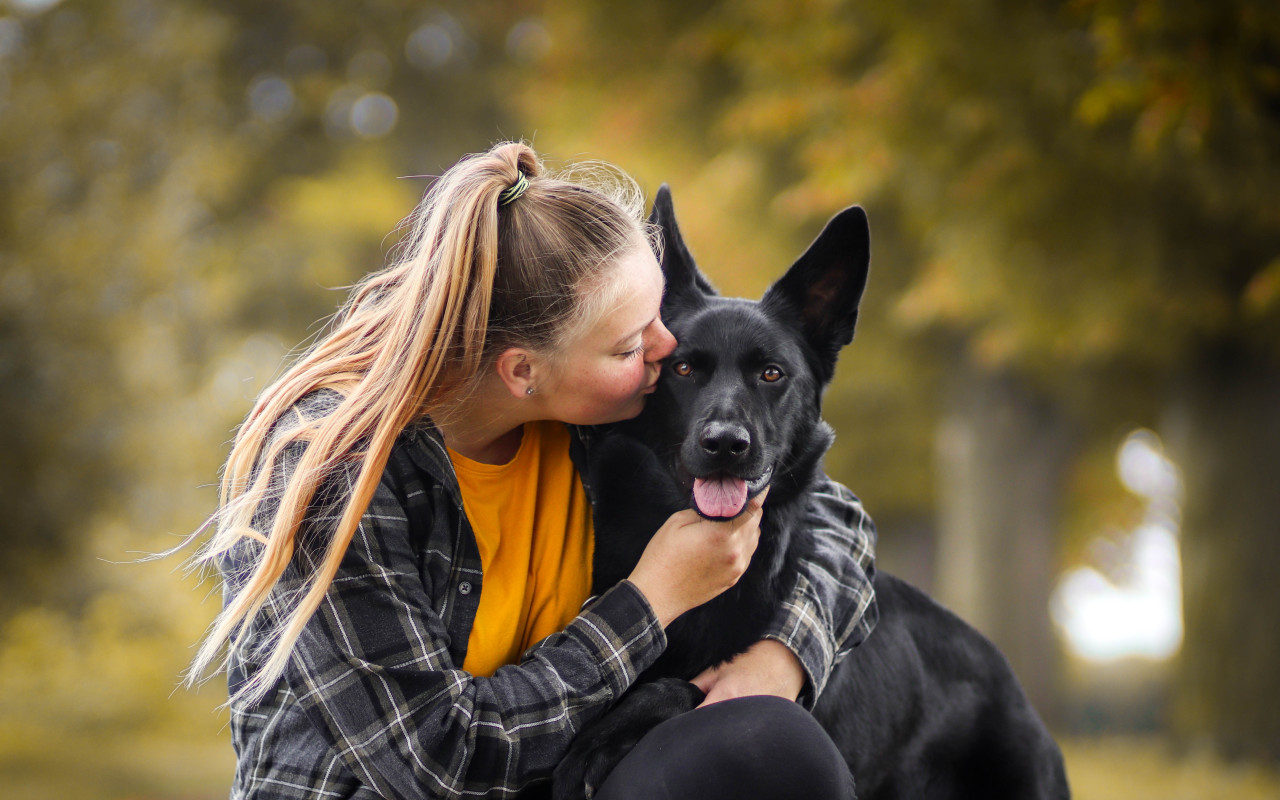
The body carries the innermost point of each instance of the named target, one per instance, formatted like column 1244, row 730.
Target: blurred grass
column 154, row 767
column 1116, row 768
column 118, row 767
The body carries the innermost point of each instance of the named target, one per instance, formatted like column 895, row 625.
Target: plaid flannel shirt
column 374, row 703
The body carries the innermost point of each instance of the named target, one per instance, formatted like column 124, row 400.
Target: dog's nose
column 724, row 439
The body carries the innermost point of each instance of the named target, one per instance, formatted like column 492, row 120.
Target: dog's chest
column 727, row 625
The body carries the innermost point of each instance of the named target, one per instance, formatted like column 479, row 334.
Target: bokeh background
column 1062, row 407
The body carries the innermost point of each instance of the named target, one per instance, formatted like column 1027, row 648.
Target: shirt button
column 464, row 587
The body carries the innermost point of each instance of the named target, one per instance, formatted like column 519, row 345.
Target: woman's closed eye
column 630, row 354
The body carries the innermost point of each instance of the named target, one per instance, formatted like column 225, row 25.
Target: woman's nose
column 663, row 343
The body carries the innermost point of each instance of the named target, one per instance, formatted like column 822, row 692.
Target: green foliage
column 182, row 186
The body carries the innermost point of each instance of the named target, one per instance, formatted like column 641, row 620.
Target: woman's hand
column 767, row 667
column 691, row 560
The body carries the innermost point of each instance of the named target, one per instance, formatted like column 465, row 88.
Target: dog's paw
column 588, row 764
column 568, row 782
column 600, row 746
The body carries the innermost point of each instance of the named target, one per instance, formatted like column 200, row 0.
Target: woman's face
column 611, row 364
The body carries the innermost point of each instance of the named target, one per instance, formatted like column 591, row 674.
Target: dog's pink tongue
column 720, row 497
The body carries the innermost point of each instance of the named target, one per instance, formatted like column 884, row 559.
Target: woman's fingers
column 690, row 559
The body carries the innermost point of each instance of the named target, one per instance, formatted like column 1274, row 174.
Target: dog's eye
column 771, row 374
column 682, row 369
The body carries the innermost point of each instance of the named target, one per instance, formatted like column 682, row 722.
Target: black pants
column 751, row 748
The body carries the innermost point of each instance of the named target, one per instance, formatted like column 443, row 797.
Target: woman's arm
column 372, row 670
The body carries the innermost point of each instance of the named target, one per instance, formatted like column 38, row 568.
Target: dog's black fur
column 926, row 707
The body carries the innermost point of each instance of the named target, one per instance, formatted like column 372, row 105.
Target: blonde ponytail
column 472, row 277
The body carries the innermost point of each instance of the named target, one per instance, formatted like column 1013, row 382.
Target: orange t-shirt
column 532, row 522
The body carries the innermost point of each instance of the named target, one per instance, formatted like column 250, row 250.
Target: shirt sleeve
column 372, row 668
column 832, row 607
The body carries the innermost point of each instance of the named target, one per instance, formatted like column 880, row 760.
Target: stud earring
column 528, row 390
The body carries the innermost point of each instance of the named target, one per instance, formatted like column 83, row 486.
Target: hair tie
column 516, row 189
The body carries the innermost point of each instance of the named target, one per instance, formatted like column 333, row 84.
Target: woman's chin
column 629, row 410
column 632, row 410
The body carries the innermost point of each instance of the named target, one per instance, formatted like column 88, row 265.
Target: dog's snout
column 725, row 440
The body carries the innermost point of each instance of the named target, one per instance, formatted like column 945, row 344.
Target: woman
column 405, row 541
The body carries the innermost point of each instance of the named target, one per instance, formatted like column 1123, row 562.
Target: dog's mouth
column 724, row 496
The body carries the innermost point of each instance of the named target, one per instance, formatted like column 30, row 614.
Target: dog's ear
column 684, row 282
column 823, row 288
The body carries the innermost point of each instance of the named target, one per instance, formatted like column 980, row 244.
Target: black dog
column 926, row 707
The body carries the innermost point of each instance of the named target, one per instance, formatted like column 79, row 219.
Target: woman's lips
column 653, row 385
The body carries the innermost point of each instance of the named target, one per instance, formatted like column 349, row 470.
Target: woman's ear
column 516, row 368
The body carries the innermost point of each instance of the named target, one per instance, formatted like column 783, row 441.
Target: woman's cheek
column 637, row 376
column 622, row 382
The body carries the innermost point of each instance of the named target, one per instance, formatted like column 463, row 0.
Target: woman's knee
column 775, row 737
column 752, row 746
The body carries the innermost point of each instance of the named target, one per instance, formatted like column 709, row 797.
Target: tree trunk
column 1002, row 455
column 1224, row 433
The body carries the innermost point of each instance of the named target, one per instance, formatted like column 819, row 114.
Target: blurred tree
column 1198, row 90
column 182, row 185
column 115, row 165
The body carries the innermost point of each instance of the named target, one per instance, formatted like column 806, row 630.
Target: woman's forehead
column 633, row 295
column 641, row 285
